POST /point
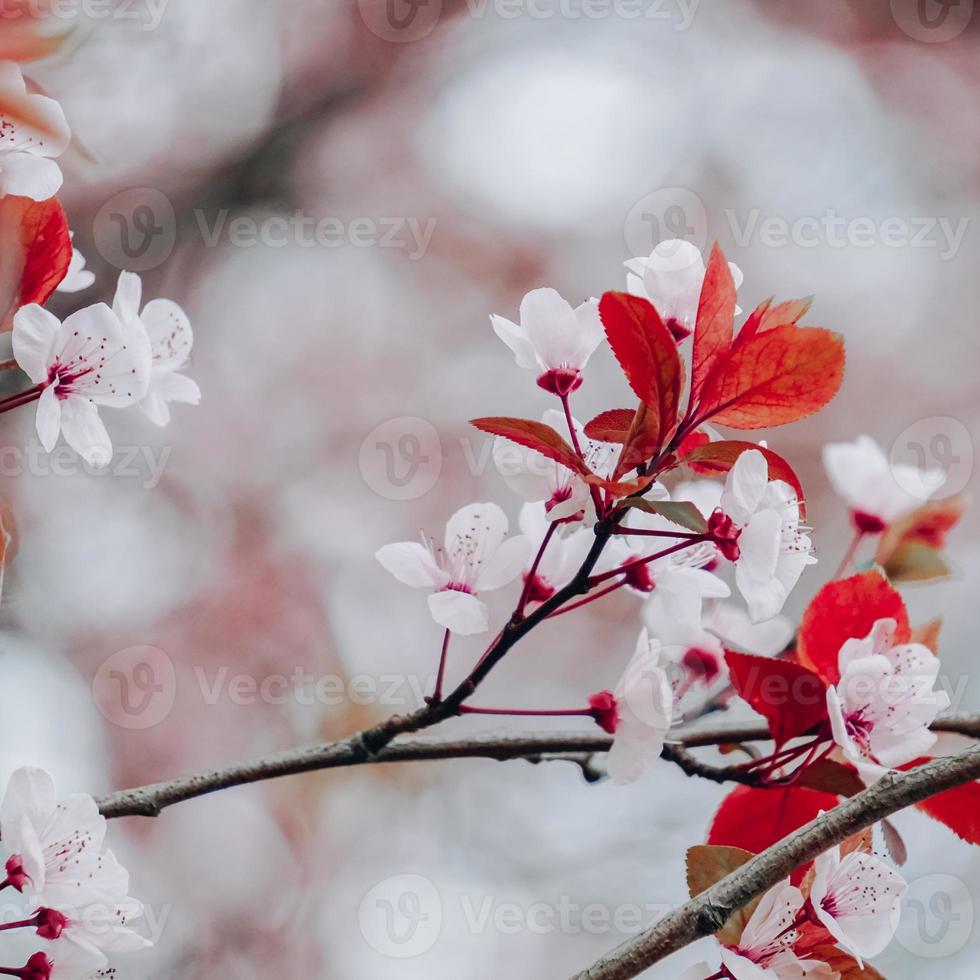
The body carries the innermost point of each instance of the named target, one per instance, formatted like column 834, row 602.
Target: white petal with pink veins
column 504, row 565
column 85, row 432
column 746, row 483
column 34, row 336
column 28, row 175
column 473, row 534
column 459, row 612
column 170, row 332
column 412, row 564
column 742, row 968
column 48, row 419
column 516, row 339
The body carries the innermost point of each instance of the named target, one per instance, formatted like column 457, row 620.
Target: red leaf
column 754, row 819
column 791, row 698
column 534, row 435
column 642, row 441
column 647, row 353
column 843, row 610
column 720, row 457
column 611, row 426
column 957, row 808
column 926, row 525
column 692, row 441
column 714, row 326
column 35, row 249
column 775, row 377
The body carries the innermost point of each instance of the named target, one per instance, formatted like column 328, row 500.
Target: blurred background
column 339, row 194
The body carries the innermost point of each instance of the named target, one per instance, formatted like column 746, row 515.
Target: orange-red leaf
column 35, row 250
column 754, row 819
column 775, row 377
column 611, row 426
column 927, row 525
column 537, row 436
column 720, row 457
column 647, row 353
column 715, row 323
column 847, row 609
column 791, row 698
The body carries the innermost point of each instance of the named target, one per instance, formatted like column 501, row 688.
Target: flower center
column 560, row 381
column 604, row 711
column 725, row 534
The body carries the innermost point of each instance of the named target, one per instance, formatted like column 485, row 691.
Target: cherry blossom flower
column 758, row 527
column 27, row 166
column 562, row 558
column 881, row 709
column 877, row 492
column 637, row 713
column 65, row 961
column 676, row 584
column 857, row 898
column 765, row 948
column 57, row 847
column 552, row 339
column 536, row 478
column 671, row 277
column 477, row 557
column 171, row 340
column 87, row 361
column 77, row 277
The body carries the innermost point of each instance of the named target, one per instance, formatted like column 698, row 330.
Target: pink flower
column 671, row 278
column 877, row 492
column 763, row 535
column 552, row 339
column 881, row 709
column 638, row 713
column 476, row 557
column 857, row 899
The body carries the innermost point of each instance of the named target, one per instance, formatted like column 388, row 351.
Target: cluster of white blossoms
column 75, row 894
column 852, row 900
column 104, row 356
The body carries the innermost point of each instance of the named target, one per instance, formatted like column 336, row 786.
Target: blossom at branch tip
column 27, row 166
column 552, row 339
column 758, row 527
column 671, row 277
column 637, row 713
column 566, row 551
column 477, row 556
column 171, row 340
column 537, row 478
column 857, row 899
column 881, row 709
column 89, row 360
column 877, row 492
column 765, row 948
column 77, row 277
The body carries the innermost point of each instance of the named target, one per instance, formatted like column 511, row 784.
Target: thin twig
column 149, row 801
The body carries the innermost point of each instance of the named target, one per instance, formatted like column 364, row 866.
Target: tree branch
column 708, row 912
column 363, row 749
